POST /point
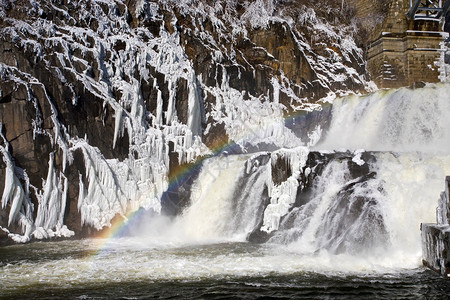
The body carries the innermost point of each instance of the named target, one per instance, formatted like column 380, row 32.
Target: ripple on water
column 69, row 269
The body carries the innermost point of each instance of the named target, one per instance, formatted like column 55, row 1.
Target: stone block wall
column 400, row 51
column 366, row 8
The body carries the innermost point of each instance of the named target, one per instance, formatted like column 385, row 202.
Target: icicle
column 170, row 114
column 159, row 108
column 194, row 116
column 63, row 203
column 52, row 204
column 13, row 192
column 46, row 199
column 104, row 197
column 118, row 124
column 20, row 204
column 276, row 90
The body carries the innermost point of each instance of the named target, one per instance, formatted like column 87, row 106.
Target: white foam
column 210, row 210
column 129, row 260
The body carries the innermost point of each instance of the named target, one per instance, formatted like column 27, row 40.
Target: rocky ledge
column 436, row 237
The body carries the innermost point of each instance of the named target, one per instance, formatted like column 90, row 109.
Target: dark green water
column 126, row 269
column 421, row 285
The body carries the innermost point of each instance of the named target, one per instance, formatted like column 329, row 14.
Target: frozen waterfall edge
column 436, row 236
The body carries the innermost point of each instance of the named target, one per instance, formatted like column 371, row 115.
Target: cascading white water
column 349, row 224
column 225, row 204
column 392, row 120
column 412, row 182
column 342, row 215
column 377, row 218
column 218, row 209
column 352, row 226
column 412, row 127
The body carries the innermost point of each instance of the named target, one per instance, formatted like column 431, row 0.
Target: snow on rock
column 357, row 158
column 252, row 121
column 133, row 89
column 259, row 13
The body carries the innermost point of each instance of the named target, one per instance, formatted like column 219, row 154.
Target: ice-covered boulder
column 436, row 237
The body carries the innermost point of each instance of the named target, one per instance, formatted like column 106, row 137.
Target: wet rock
column 281, row 170
column 348, row 201
column 435, row 248
column 304, row 123
column 177, row 197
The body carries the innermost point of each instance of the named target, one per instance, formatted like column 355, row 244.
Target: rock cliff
column 102, row 101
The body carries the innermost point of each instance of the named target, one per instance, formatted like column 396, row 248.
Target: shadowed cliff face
column 100, row 101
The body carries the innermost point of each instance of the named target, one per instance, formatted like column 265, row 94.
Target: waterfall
column 226, row 203
column 392, row 120
column 342, row 215
column 354, row 202
column 220, row 206
column 369, row 210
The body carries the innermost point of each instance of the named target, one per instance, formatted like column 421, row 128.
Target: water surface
column 129, row 268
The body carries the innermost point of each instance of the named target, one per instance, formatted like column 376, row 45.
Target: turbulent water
column 353, row 236
column 136, row 269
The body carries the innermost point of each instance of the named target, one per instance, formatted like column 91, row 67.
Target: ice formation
column 115, row 60
column 21, row 208
column 282, row 196
column 110, row 187
column 49, row 221
column 444, row 61
column 252, row 121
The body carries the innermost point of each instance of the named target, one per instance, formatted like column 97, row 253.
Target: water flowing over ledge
column 120, row 93
column 333, row 212
column 405, row 124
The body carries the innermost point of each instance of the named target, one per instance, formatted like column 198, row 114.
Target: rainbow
column 121, row 225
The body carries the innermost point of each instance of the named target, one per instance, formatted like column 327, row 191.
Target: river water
column 135, row 269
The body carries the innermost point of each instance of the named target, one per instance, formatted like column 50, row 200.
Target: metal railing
column 428, row 9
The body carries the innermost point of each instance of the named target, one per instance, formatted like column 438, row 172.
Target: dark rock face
column 281, row 170
column 121, row 94
column 177, row 196
column 303, row 124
